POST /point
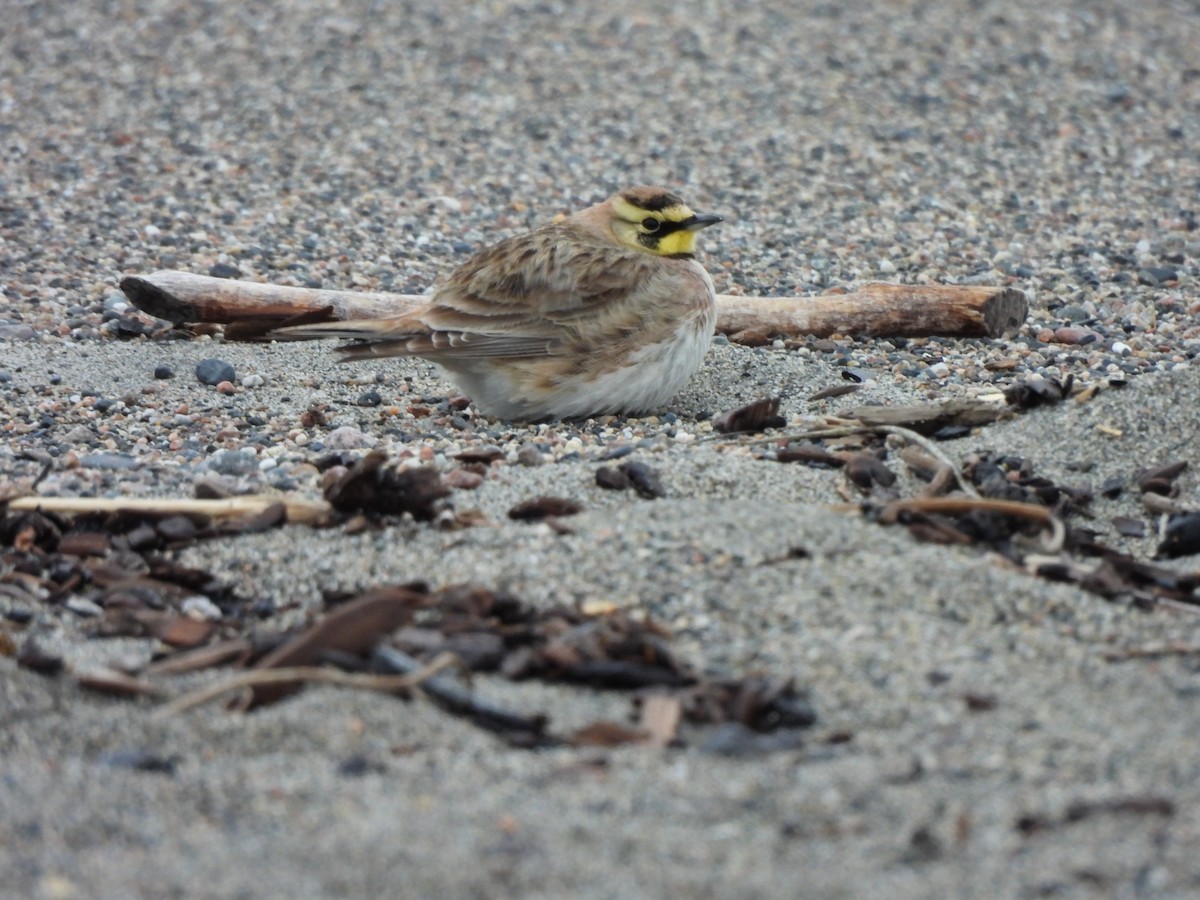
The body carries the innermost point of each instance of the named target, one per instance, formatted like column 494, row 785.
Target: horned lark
column 606, row 311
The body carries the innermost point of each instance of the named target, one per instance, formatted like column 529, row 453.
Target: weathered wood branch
column 308, row 512
column 876, row 310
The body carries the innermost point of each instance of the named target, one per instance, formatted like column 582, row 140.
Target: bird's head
column 653, row 220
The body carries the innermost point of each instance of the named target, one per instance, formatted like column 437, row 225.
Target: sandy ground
column 357, row 146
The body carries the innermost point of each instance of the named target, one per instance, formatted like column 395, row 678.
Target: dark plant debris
column 544, row 508
column 404, row 630
column 1161, row 479
column 1182, row 537
column 751, row 418
column 1029, row 394
column 372, row 486
column 632, row 474
column 1018, row 508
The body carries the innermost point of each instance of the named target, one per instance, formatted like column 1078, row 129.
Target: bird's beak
column 696, row 222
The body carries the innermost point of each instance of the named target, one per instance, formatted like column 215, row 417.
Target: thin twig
column 848, row 427
column 456, row 699
column 311, row 675
column 932, row 449
column 959, row 505
column 1152, row 652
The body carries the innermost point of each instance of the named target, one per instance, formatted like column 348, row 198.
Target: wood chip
column 660, row 718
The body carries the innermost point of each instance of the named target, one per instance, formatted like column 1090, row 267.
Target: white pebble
column 201, row 609
column 347, row 437
column 82, row 606
column 253, row 381
column 939, row 370
column 1121, row 348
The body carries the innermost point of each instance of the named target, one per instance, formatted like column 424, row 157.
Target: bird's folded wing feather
column 527, row 296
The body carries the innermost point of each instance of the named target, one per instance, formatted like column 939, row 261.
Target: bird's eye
column 651, row 224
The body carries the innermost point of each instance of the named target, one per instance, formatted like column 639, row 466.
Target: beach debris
column 374, row 487
column 631, row 474
column 540, row 508
column 1135, row 805
column 837, row 390
column 1181, row 538
column 932, row 418
column 751, row 418
column 1030, row 393
column 1161, row 479
column 809, row 454
column 407, row 640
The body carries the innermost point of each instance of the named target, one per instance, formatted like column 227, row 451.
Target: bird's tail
column 372, row 338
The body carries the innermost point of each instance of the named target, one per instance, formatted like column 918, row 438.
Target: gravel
column 973, row 738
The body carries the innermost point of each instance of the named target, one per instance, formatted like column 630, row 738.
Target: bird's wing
column 535, row 294
column 540, row 284
column 408, row 336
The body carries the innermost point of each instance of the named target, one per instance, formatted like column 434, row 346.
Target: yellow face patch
column 682, row 241
column 665, row 231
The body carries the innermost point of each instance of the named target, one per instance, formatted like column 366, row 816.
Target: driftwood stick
column 308, row 512
column 875, row 310
column 181, row 297
column 879, row 310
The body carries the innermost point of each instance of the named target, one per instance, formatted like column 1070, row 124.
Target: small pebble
column 163, row 372
column 529, row 455
column 1071, row 335
column 234, row 462
column 223, row 270
column 347, row 437
column 84, row 607
column 9, row 332
column 214, row 371
column 462, row 479
column 110, row 461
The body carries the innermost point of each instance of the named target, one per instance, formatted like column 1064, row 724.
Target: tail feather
column 269, row 326
column 373, row 350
